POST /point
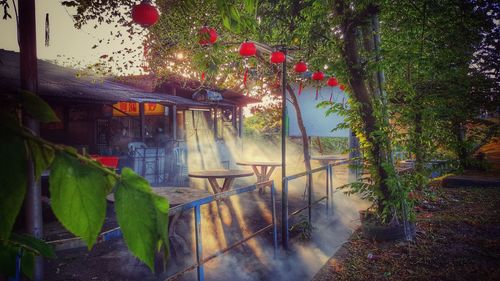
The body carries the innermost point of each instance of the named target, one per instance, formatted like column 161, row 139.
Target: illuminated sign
column 132, row 109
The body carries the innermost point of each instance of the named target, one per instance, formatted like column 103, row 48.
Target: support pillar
column 29, row 82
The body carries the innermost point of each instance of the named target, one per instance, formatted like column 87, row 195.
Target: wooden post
column 233, row 115
column 143, row 121
column 174, row 122
column 29, row 82
column 240, row 121
column 181, row 130
column 216, row 125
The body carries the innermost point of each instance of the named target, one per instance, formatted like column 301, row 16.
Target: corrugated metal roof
column 58, row 82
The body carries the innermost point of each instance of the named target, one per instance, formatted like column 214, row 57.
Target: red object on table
column 107, row 161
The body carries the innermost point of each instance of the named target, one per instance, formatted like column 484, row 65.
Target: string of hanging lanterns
column 146, row 15
column 248, row 49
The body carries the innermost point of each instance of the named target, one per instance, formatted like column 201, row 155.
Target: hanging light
column 277, row 57
column 207, row 35
column 318, row 76
column 145, row 14
column 342, row 87
column 300, row 67
column 332, row 82
column 247, row 49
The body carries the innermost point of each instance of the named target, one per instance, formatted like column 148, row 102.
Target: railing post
column 330, row 172
column 199, row 248
column 309, row 195
column 327, row 187
column 275, row 231
column 284, row 214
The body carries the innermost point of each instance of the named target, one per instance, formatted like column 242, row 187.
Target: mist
column 225, row 223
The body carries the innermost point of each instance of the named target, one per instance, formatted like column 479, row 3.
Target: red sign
column 132, row 109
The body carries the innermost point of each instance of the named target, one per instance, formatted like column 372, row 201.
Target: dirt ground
column 458, row 238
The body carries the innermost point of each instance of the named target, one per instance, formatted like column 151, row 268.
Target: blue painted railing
column 284, row 193
column 196, row 206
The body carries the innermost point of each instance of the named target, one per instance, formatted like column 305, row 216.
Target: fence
column 284, row 202
column 196, row 206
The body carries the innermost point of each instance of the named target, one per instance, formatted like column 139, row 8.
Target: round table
column 260, row 168
column 213, row 175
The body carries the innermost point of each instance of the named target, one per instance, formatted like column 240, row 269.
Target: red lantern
column 318, row 76
column 208, row 35
column 277, row 57
column 247, row 49
column 342, row 87
column 145, row 14
column 300, row 67
column 332, row 82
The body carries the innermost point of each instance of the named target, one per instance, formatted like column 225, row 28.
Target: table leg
column 268, row 175
column 215, row 185
column 227, row 183
column 257, row 172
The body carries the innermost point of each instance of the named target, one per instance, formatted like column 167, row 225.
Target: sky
column 65, row 40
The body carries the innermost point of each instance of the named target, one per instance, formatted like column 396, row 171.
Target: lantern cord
column 47, row 30
column 331, row 96
column 300, row 88
column 245, row 77
column 317, row 92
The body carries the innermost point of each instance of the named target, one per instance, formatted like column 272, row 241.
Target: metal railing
column 196, row 206
column 284, row 192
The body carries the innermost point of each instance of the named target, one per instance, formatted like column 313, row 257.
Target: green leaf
column 142, row 215
column 13, row 181
column 250, row 6
column 32, row 244
column 8, row 259
column 38, row 108
column 78, row 195
column 42, row 156
column 226, row 22
column 28, row 264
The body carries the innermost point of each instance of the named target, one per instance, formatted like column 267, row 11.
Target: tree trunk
column 461, row 149
column 362, row 95
column 417, row 139
column 302, row 128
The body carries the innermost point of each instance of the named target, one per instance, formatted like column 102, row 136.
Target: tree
column 433, row 85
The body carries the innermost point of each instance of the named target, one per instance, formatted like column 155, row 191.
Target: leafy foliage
column 78, row 187
column 78, row 196
column 12, row 182
column 139, row 208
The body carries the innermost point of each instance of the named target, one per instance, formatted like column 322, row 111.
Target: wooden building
column 108, row 117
